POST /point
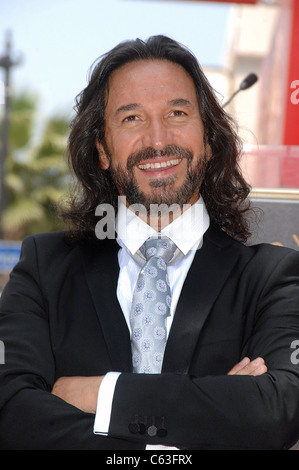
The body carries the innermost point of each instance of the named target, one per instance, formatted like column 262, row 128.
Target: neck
column 160, row 216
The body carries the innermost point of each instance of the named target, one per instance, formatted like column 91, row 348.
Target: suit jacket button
column 142, row 428
column 134, row 428
column 152, row 430
column 162, row 432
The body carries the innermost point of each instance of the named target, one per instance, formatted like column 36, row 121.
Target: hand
column 248, row 367
column 81, row 392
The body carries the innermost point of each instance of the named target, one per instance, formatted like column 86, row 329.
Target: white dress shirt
column 187, row 233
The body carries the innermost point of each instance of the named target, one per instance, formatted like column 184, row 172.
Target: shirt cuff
column 104, row 403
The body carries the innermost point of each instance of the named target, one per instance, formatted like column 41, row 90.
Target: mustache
column 148, row 153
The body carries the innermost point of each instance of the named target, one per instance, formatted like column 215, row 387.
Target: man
column 150, row 134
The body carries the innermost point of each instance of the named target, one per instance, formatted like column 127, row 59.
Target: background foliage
column 36, row 172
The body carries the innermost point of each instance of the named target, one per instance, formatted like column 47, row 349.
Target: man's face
column 154, row 135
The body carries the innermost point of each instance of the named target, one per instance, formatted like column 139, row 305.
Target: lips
column 151, row 159
column 159, row 165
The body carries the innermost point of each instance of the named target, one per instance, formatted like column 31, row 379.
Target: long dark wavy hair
column 224, row 189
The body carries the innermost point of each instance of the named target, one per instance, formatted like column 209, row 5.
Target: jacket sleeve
column 226, row 412
column 30, row 416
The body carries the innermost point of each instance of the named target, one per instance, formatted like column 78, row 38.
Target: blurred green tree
column 36, row 172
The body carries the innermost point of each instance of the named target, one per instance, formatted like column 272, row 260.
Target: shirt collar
column 185, row 231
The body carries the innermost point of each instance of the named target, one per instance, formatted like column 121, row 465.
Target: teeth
column 153, row 166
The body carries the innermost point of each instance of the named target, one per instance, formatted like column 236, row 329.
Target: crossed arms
column 82, row 392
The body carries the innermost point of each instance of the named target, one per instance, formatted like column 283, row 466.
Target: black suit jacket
column 60, row 317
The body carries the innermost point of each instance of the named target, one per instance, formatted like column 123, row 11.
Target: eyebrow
column 133, row 106
column 128, row 107
column 180, row 102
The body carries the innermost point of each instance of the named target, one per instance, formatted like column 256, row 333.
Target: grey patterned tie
column 151, row 306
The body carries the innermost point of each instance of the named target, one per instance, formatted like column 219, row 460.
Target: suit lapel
column 101, row 271
column 209, row 271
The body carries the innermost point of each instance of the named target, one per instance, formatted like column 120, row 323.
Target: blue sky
column 60, row 39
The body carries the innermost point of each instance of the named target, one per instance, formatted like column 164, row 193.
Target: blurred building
column 260, row 39
column 256, row 41
column 263, row 38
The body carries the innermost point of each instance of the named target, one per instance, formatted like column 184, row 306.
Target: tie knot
column 159, row 247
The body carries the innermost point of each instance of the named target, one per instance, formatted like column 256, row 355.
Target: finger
column 245, row 361
column 254, row 368
column 262, row 369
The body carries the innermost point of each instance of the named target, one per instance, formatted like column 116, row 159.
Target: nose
column 156, row 134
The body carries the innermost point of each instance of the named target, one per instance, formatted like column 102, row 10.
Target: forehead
column 148, row 80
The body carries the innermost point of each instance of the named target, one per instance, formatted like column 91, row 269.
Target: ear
column 103, row 157
column 207, row 146
column 208, row 151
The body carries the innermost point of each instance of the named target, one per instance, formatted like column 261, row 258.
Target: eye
column 131, row 118
column 178, row 113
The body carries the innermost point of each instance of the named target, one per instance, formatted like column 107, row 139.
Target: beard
column 164, row 190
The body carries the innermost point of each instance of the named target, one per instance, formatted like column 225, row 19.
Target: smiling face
column 154, row 135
